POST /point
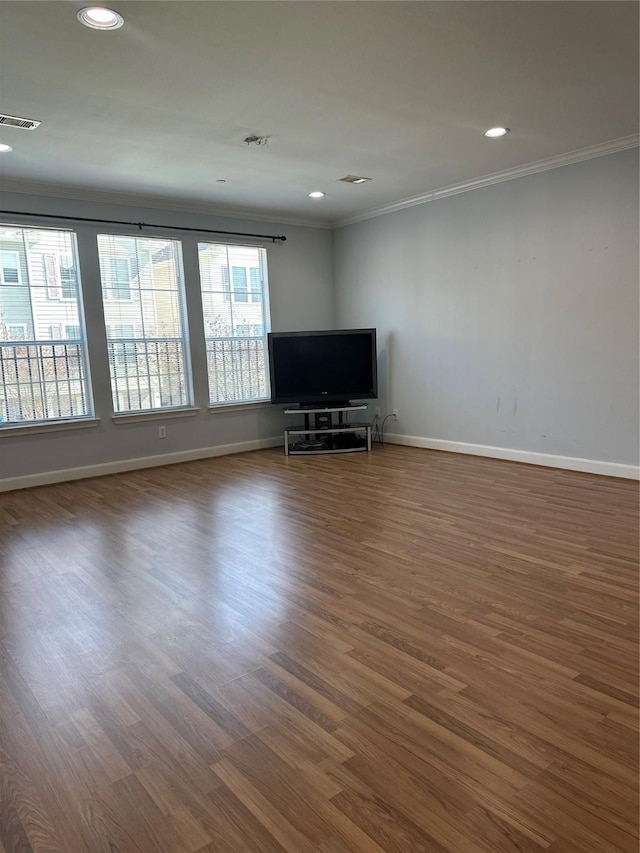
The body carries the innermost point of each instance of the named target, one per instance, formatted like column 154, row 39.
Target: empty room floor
column 398, row 651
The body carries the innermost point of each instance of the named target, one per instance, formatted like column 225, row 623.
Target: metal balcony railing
column 47, row 381
column 42, row 381
column 237, row 369
column 147, row 373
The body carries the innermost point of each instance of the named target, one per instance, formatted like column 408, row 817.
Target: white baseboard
column 48, row 477
column 571, row 463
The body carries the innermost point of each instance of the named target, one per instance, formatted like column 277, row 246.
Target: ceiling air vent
column 15, row 121
column 354, row 179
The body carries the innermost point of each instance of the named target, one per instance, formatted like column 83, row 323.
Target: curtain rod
column 140, row 225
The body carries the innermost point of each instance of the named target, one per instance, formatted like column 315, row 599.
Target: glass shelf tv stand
column 326, row 430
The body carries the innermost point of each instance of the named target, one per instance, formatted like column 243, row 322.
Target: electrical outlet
column 162, row 432
column 395, row 414
column 377, row 411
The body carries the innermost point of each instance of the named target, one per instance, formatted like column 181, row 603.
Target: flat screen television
column 323, row 368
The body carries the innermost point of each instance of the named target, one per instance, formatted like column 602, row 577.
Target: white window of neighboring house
column 60, row 275
column 119, row 278
column 67, row 276
column 226, row 284
column 41, row 380
column 10, row 268
column 239, row 284
column 256, row 284
column 147, row 339
column 235, row 303
column 17, row 332
column 72, row 333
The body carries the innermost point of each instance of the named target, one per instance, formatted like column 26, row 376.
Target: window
column 59, row 274
column 235, row 328
column 126, row 352
column 10, row 269
column 51, row 278
column 119, row 278
column 42, row 377
column 239, row 279
column 16, row 332
column 146, row 328
column 226, row 284
column 256, row 284
column 67, row 276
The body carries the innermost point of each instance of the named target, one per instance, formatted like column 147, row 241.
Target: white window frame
column 266, row 318
column 46, row 388
column 120, row 360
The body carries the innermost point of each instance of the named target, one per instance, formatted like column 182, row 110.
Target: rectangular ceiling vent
column 354, row 179
column 15, row 121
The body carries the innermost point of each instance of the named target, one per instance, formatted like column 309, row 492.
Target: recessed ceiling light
column 100, row 18
column 496, row 132
column 4, row 148
column 317, row 194
column 354, row 179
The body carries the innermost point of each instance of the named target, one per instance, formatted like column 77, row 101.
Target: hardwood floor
column 398, row 651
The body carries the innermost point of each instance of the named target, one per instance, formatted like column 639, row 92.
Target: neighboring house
column 38, row 294
column 232, row 291
column 16, row 317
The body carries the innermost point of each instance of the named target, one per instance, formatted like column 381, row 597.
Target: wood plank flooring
column 398, row 651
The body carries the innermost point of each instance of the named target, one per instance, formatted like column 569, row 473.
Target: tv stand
column 330, row 431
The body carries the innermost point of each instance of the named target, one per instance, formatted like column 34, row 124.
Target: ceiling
column 399, row 92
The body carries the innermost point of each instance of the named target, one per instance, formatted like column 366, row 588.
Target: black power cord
column 378, row 429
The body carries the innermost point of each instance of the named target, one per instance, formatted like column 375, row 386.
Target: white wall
column 302, row 296
column 507, row 316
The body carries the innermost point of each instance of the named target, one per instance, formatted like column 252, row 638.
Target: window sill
column 240, row 407
column 155, row 415
column 53, row 426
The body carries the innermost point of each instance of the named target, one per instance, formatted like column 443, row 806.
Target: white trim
column 154, row 203
column 154, row 415
column 239, row 407
column 548, row 460
column 567, row 159
column 48, row 477
column 42, row 426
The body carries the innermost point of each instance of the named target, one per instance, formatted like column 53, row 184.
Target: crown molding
column 555, row 162
column 151, row 203
column 203, row 209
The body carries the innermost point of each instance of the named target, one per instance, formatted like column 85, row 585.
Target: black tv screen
column 312, row 368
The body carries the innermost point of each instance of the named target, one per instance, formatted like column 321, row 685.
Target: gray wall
column 507, row 316
column 302, row 296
